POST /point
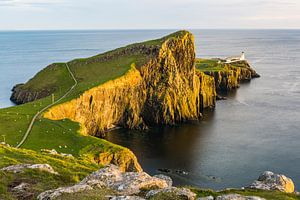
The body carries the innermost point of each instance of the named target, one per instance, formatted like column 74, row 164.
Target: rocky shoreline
column 140, row 185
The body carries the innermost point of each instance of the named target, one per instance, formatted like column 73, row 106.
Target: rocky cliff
column 165, row 90
column 21, row 95
column 232, row 75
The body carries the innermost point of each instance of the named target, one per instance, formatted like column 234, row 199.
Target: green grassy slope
column 70, row 170
column 212, row 65
column 89, row 72
column 209, row 65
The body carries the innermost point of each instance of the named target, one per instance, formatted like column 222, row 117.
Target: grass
column 97, row 194
column 209, row 65
column 213, row 65
column 70, row 170
column 89, row 72
column 269, row 195
column 55, row 79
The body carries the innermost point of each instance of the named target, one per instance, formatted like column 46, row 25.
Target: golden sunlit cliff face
column 114, row 103
column 171, row 85
column 165, row 90
column 231, row 76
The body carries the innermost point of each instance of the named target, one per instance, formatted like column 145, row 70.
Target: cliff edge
column 166, row 89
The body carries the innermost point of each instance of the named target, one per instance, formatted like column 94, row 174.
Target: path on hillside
column 45, row 108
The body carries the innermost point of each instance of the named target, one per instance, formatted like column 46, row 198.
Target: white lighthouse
column 235, row 58
column 243, row 56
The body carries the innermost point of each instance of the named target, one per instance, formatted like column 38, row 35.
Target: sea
column 256, row 129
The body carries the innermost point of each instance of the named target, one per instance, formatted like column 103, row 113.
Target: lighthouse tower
column 243, row 56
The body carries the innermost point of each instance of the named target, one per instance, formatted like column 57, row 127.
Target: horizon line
column 141, row 29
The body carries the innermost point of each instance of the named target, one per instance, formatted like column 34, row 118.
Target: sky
column 149, row 14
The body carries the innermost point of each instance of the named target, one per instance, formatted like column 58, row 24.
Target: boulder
column 206, row 198
column 237, row 197
column 21, row 167
column 22, row 191
column 270, row 181
column 125, row 198
column 52, row 194
column 54, row 152
column 166, row 178
column 180, row 192
column 123, row 183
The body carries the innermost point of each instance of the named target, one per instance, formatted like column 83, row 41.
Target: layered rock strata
column 165, row 90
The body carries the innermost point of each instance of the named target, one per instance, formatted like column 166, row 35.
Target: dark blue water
column 256, row 129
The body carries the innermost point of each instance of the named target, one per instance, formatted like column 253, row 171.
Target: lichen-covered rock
column 21, row 167
column 123, row 158
column 206, row 198
column 270, row 181
column 180, row 192
column 54, row 152
column 166, row 178
column 52, row 194
column 22, row 191
column 237, row 197
column 125, row 198
column 125, row 184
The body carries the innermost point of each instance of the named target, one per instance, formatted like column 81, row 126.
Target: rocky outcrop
column 180, row 193
column 270, row 181
column 21, row 167
column 231, row 197
column 165, row 90
column 124, row 198
column 125, row 184
column 232, row 75
column 237, row 197
column 54, row 152
column 21, row 95
column 123, row 158
column 208, row 94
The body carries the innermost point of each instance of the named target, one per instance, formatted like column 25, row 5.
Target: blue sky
column 148, row 14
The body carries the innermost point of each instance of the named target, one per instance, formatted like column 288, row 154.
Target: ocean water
column 256, row 129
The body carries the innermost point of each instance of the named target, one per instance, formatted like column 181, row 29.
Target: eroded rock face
column 270, row 181
column 125, row 184
column 21, row 95
column 231, row 76
column 123, row 158
column 170, row 83
column 21, row 167
column 165, row 90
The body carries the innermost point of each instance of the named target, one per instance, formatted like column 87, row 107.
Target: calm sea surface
column 256, row 129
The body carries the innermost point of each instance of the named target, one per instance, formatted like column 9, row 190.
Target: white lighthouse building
column 243, row 56
column 236, row 58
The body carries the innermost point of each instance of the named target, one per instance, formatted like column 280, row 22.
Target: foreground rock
column 237, row 197
column 21, row 167
column 270, row 181
column 179, row 192
column 126, row 184
column 125, row 198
